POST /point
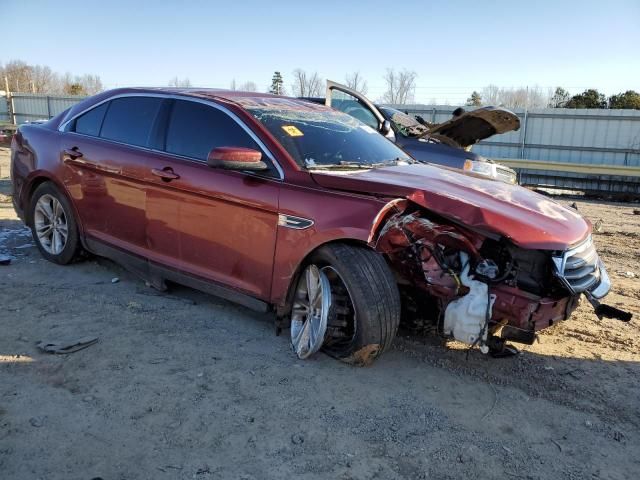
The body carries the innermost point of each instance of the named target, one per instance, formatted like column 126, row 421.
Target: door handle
column 167, row 174
column 73, row 153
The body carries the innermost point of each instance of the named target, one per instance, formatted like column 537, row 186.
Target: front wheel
column 53, row 226
column 347, row 303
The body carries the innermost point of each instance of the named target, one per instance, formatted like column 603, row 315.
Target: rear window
column 130, row 120
column 195, row 129
column 90, row 122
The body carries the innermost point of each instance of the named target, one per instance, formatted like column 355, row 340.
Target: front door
column 211, row 223
column 358, row 106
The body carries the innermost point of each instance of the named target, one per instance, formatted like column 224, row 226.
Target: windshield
column 319, row 137
column 408, row 126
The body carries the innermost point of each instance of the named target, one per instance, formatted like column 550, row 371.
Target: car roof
column 239, row 97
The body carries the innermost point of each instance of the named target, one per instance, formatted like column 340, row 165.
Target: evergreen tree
column 560, row 98
column 629, row 99
column 277, row 84
column 590, row 98
column 475, row 100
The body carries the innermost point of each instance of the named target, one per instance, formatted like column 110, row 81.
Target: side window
column 90, row 122
column 194, row 129
column 130, row 119
column 351, row 106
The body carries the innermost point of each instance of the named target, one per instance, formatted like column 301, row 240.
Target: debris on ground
column 62, row 348
column 409, row 416
column 597, row 227
column 5, row 260
column 36, row 421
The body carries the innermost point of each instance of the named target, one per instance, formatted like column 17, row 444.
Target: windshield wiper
column 343, row 165
column 396, row 161
column 349, row 165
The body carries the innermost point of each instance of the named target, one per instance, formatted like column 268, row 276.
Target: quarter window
column 195, row 129
column 130, row 120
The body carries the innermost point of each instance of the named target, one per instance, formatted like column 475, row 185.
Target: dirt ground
column 184, row 385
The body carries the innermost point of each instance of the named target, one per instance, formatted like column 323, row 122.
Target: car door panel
column 216, row 224
column 353, row 103
column 108, row 178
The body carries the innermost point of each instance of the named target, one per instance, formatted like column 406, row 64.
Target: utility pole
column 10, row 112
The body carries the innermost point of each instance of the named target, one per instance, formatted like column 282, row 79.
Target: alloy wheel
column 310, row 312
column 50, row 224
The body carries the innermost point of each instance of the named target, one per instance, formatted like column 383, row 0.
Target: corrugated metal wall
column 29, row 107
column 4, row 112
column 585, row 136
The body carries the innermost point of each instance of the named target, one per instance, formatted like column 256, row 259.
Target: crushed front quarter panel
column 432, row 257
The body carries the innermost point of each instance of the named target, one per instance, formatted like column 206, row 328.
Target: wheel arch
column 33, row 183
column 284, row 308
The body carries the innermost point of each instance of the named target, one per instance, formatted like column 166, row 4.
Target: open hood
column 528, row 219
column 471, row 127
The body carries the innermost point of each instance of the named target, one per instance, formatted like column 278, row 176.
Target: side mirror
column 236, row 158
column 387, row 131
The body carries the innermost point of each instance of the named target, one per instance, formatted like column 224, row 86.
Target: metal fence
column 555, row 136
column 4, row 108
column 30, row 107
column 585, row 136
column 559, row 136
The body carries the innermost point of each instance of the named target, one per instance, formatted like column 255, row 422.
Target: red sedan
column 279, row 203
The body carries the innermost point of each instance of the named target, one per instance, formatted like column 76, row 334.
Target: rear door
column 215, row 224
column 107, row 152
column 355, row 104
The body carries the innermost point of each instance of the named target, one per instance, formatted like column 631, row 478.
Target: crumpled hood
column 528, row 219
column 475, row 125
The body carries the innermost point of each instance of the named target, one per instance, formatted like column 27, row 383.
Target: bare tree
column 357, row 83
column 233, row 85
column 91, row 84
column 307, row 85
column 401, row 86
column 180, row 83
column 520, row 97
column 491, row 95
column 249, row 87
column 18, row 74
column 43, row 80
column 23, row 77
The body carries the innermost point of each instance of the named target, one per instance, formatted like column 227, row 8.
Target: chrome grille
column 579, row 267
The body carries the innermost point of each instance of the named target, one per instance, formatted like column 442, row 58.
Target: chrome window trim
column 222, row 108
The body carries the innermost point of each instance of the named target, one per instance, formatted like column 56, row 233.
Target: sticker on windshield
column 292, row 131
column 367, row 129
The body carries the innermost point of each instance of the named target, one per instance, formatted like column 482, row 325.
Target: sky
column 455, row 47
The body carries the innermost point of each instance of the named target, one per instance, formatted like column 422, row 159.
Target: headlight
column 483, row 168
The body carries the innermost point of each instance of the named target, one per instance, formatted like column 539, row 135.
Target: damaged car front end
column 483, row 289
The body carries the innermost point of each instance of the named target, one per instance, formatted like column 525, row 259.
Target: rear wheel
column 347, row 303
column 52, row 224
